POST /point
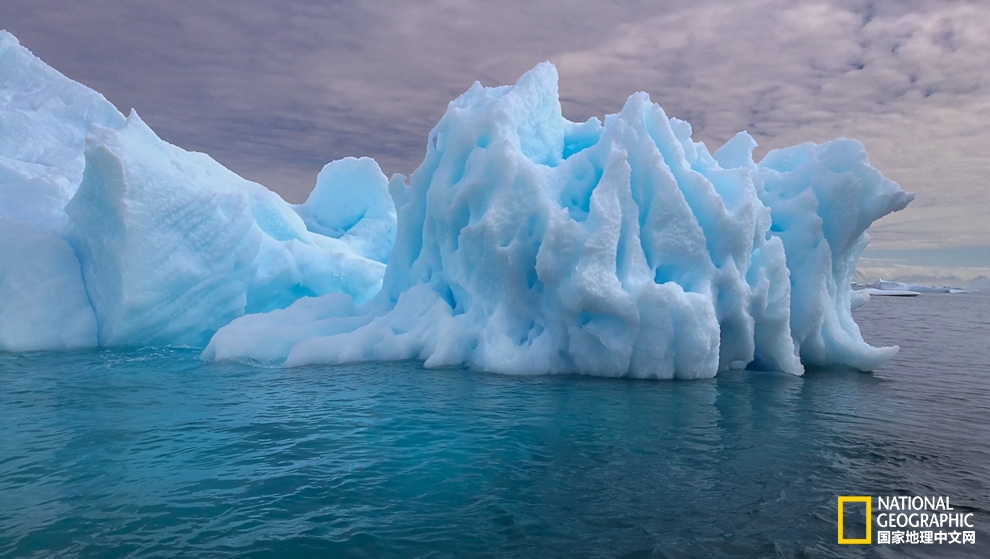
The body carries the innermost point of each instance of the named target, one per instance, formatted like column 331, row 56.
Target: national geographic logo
column 866, row 500
column 905, row 520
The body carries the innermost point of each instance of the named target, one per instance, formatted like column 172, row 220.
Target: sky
column 275, row 90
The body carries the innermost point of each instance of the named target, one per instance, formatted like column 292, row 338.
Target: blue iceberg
column 528, row 244
column 523, row 244
column 112, row 236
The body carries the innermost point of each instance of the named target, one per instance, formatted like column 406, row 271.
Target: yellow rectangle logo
column 869, row 519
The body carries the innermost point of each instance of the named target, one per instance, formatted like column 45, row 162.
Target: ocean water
column 152, row 453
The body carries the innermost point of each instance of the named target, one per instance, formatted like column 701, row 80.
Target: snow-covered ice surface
column 530, row 244
column 112, row 236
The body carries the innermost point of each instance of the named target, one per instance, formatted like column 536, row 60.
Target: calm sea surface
column 152, row 453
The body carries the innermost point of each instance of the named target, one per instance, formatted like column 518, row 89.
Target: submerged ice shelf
column 524, row 243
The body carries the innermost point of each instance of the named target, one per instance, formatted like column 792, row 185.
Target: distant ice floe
column 884, row 285
column 861, row 292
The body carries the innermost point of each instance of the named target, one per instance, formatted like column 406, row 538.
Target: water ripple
column 153, row 453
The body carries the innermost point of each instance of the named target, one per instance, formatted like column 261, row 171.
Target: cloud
column 275, row 90
column 909, row 81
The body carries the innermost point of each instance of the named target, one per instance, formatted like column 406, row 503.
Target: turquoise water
column 152, row 453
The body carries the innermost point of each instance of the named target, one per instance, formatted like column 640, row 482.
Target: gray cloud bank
column 274, row 90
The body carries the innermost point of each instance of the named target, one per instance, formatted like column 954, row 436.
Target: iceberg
column 880, row 284
column 524, row 243
column 112, row 236
column 529, row 244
